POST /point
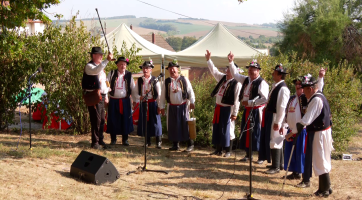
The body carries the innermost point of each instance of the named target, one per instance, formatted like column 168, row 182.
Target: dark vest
column 153, row 87
column 323, row 121
column 253, row 90
column 127, row 77
column 183, row 83
column 90, row 82
column 303, row 104
column 272, row 104
column 229, row 94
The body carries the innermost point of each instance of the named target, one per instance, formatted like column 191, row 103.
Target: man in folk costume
column 226, row 109
column 317, row 120
column 145, row 84
column 119, row 120
column 253, row 86
column 294, row 112
column 176, row 91
column 94, row 78
column 272, row 133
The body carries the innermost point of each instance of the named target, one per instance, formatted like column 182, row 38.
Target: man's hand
column 231, row 57
column 276, row 127
column 106, row 100
column 192, row 106
column 158, row 111
column 281, row 131
column 163, row 112
column 288, row 136
column 322, row 72
column 233, row 118
column 245, row 103
column 110, row 56
column 208, row 55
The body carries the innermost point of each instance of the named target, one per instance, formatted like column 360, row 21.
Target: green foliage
column 204, row 108
column 187, row 41
column 17, row 64
column 318, row 30
column 134, row 60
column 152, row 24
column 175, row 43
column 342, row 89
column 63, row 54
column 17, row 12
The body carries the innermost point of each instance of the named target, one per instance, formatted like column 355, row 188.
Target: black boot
column 324, row 186
column 217, row 151
column 247, row 156
column 175, row 147
column 228, row 149
column 125, row 140
column 190, row 146
column 148, row 142
column 158, row 142
column 276, row 153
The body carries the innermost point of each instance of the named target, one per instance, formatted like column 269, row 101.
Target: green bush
column 342, row 88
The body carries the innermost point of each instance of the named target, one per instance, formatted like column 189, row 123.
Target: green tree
column 324, row 30
column 175, row 43
column 15, row 13
column 187, row 41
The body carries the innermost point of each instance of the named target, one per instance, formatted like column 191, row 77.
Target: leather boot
column 276, row 153
column 217, row 151
column 158, row 142
column 228, row 149
column 175, row 147
column 324, row 186
column 190, row 146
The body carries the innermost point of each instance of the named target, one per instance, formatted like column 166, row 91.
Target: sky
column 250, row 12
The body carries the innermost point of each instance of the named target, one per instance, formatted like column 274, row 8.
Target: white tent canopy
column 148, row 49
column 219, row 41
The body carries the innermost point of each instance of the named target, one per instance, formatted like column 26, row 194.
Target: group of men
column 303, row 117
column 118, row 88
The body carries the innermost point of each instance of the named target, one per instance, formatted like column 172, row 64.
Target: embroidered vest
column 153, row 87
column 229, row 94
column 183, row 84
column 127, row 78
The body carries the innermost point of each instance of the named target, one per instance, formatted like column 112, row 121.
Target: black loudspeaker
column 93, row 168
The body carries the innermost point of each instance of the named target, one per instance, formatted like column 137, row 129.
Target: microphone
column 257, row 97
column 159, row 76
column 39, row 70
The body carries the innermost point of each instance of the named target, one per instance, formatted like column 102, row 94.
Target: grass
column 43, row 173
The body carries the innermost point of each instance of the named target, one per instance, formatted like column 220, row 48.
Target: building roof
column 159, row 41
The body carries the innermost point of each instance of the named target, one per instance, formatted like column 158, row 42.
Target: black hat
column 96, row 50
column 254, row 64
column 147, row 64
column 281, row 69
column 299, row 78
column 122, row 59
column 308, row 81
column 173, row 64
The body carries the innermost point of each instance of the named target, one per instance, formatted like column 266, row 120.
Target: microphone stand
column 144, row 100
column 250, row 195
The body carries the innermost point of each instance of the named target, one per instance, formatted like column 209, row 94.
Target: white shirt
column 176, row 98
column 146, row 86
column 282, row 101
column 263, row 89
column 92, row 69
column 313, row 111
column 294, row 113
column 120, row 85
column 218, row 76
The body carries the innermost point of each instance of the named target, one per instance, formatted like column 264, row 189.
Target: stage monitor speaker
column 93, row 168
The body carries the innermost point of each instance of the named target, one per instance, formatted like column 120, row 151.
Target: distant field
column 197, row 28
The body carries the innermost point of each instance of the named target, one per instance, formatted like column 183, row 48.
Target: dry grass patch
column 43, row 173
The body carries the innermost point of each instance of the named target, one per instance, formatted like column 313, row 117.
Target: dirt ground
column 44, row 172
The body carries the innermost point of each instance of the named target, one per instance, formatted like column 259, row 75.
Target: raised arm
column 214, row 71
column 234, row 72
